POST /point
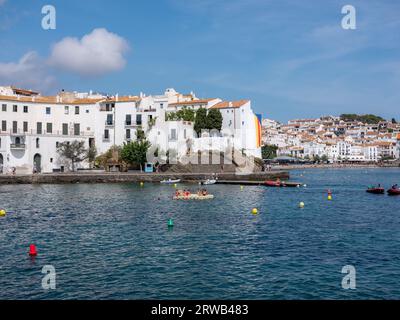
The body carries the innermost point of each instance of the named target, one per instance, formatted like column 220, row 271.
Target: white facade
column 31, row 126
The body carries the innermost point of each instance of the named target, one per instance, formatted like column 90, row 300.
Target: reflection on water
column 112, row 241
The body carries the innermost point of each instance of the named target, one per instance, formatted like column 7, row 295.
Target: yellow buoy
column 141, row 184
column 175, row 185
column 2, row 213
column 301, row 205
column 254, row 211
column 241, row 187
column 329, row 197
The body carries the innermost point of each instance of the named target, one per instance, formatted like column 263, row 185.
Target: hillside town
column 334, row 139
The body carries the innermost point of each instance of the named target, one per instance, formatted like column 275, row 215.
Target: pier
column 85, row 177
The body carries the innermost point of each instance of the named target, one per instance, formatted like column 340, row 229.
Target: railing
column 132, row 124
column 172, row 138
column 44, row 133
column 128, row 138
column 17, row 146
column 109, row 123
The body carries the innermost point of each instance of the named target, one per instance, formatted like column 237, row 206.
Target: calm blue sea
column 111, row 241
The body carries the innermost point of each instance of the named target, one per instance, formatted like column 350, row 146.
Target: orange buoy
column 32, row 250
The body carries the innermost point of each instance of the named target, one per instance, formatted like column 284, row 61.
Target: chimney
column 230, row 104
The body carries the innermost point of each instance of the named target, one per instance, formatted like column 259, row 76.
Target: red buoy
column 32, row 250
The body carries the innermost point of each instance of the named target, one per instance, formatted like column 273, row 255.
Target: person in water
column 395, row 186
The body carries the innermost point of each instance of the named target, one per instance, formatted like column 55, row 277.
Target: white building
column 31, row 125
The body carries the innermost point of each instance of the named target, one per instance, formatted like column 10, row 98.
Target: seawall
column 60, row 178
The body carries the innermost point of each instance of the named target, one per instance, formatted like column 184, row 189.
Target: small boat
column 170, row 181
column 194, row 196
column 269, row 183
column 209, row 181
column 376, row 190
column 394, row 191
column 278, row 183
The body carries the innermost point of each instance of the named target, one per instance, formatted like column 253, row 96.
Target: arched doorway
column 1, row 163
column 37, row 163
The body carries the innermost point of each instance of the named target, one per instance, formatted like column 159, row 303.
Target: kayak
column 376, row 190
column 194, row 197
column 393, row 192
column 169, row 181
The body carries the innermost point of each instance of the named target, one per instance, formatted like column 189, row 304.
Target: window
column 128, row 133
column 4, row 125
column 106, row 134
column 25, row 109
column 48, row 110
column 139, row 119
column 173, row 134
column 37, row 143
column 66, row 109
column 57, row 144
column 15, row 108
column 128, row 119
column 161, row 105
column 15, row 127
column 242, row 123
column 77, row 129
column 65, row 129
column 4, row 107
column 39, row 128
column 108, row 108
column 109, row 120
column 87, row 110
column 49, row 127
column 25, row 126
column 51, row 160
column 77, row 110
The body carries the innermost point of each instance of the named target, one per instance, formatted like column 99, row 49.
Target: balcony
column 17, row 146
column 106, row 139
column 131, row 124
column 109, row 123
column 128, row 138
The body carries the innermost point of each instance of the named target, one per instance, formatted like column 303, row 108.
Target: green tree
column 324, row 158
column 91, row 155
column 269, row 151
column 317, row 158
column 200, row 120
column 140, row 135
column 366, row 118
column 112, row 155
column 74, row 151
column 135, row 152
column 214, row 120
column 394, row 121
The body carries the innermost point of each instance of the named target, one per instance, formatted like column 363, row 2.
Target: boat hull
column 394, row 192
column 376, row 191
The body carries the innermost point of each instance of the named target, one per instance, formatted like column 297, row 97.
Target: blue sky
column 290, row 57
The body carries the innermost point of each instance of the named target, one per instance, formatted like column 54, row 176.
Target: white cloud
column 97, row 53
column 29, row 72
